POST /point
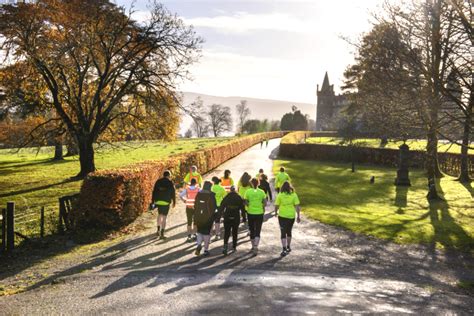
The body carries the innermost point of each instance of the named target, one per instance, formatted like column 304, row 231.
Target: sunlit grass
column 332, row 194
column 375, row 143
column 31, row 180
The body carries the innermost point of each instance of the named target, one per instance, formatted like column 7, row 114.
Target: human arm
column 182, row 195
column 297, row 207
column 298, row 213
column 173, row 195
column 277, row 204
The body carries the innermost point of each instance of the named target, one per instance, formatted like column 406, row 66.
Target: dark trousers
column 286, row 225
column 255, row 225
column 231, row 225
column 244, row 215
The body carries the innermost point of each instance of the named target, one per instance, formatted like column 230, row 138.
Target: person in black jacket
column 163, row 195
column 230, row 208
column 204, row 215
column 265, row 186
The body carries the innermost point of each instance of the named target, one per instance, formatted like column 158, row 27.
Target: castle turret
column 325, row 105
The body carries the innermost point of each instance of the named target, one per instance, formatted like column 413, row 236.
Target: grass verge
column 32, row 180
column 375, row 143
column 332, row 194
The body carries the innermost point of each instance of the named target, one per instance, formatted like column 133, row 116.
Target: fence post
column 10, row 226
column 42, row 222
column 4, row 229
column 61, row 216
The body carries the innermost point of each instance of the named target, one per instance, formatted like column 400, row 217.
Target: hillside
column 261, row 108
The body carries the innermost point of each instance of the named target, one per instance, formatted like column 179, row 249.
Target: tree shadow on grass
column 401, row 200
column 42, row 187
column 469, row 188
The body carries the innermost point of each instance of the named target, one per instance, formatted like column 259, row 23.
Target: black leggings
column 286, row 225
column 231, row 224
column 190, row 215
column 244, row 215
column 255, row 225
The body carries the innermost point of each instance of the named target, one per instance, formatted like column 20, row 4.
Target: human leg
column 289, row 235
column 235, row 231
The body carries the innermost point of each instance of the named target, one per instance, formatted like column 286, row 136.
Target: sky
column 270, row 49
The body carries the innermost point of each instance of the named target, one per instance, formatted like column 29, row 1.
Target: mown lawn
column 375, row 143
column 32, row 180
column 332, row 194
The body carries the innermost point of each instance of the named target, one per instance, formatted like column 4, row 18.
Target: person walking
column 204, row 212
column 188, row 196
column 280, row 178
column 230, row 208
column 227, row 181
column 163, row 195
column 261, row 144
column 259, row 174
column 266, row 143
column 243, row 185
column 193, row 174
column 265, row 186
column 220, row 193
column 255, row 199
column 287, row 205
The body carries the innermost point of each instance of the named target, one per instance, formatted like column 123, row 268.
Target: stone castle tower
column 328, row 106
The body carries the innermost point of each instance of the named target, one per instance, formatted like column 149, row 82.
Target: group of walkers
column 210, row 203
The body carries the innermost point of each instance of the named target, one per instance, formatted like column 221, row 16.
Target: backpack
column 202, row 213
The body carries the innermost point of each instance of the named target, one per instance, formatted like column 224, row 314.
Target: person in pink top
column 188, row 196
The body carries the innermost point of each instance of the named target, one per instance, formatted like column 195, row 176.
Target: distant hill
column 260, row 108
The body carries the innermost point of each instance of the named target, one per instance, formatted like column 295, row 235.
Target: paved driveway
column 329, row 271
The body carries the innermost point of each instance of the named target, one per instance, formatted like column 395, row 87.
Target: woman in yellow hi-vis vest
column 287, row 205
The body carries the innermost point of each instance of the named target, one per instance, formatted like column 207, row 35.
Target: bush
column 292, row 148
column 114, row 198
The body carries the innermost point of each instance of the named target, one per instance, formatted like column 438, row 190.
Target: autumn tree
column 458, row 89
column 98, row 64
column 220, row 119
column 378, row 89
column 243, row 113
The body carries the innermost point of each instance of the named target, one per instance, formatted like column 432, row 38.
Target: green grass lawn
column 332, row 194
column 32, row 180
column 372, row 142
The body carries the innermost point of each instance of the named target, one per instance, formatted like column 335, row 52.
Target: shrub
column 292, row 148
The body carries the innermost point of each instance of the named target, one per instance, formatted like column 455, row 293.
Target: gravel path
column 329, row 271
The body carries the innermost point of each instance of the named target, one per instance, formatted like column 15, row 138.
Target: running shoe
column 255, row 251
column 195, row 237
column 206, row 253
column 216, row 238
column 189, row 239
column 288, row 249
column 283, row 253
column 198, row 250
column 158, row 231
column 224, row 251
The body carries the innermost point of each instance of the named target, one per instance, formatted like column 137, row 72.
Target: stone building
column 329, row 106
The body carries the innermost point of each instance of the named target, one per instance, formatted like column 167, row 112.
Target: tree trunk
column 71, row 146
column 86, row 156
column 464, row 176
column 431, row 163
column 58, row 150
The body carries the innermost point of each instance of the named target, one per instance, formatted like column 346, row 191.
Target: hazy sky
column 271, row 49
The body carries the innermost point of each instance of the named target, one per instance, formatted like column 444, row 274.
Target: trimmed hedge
column 297, row 137
column 114, row 198
column 448, row 162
